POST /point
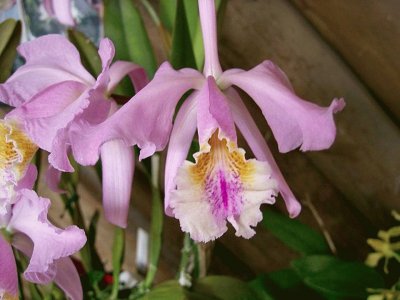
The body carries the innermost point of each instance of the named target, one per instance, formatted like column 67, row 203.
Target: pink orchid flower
column 23, row 216
column 53, row 91
column 221, row 185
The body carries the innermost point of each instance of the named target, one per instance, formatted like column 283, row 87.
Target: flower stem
column 117, row 259
column 187, row 263
column 156, row 224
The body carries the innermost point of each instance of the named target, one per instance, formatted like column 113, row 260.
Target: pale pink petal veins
column 213, row 113
column 117, row 161
column 8, row 271
column 146, row 120
column 49, row 242
column 179, row 145
column 245, row 123
column 49, row 59
column 208, row 22
column 293, row 121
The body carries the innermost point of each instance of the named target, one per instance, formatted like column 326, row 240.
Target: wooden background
column 328, row 48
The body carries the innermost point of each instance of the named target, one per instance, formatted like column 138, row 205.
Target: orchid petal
column 293, row 121
column 146, row 120
column 53, row 179
column 49, row 59
column 120, row 69
column 214, row 113
column 67, row 278
column 258, row 145
column 8, row 272
column 49, row 242
column 221, row 186
column 118, row 165
column 179, row 144
column 208, row 22
column 66, row 275
column 29, row 179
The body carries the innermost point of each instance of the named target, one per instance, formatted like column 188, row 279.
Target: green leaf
column 10, row 36
column 283, row 284
column 181, row 51
column 294, row 234
column 226, row 288
column 87, row 50
column 124, row 26
column 167, row 10
column 171, row 290
column 335, row 278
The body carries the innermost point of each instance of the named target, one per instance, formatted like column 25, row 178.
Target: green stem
column 156, row 224
column 117, row 259
column 185, row 266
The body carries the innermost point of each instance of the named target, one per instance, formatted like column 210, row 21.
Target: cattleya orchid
column 53, row 91
column 24, row 223
column 61, row 10
column 221, row 185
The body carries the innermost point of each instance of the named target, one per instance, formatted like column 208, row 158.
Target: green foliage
column 123, row 24
column 87, row 50
column 333, row 277
column 181, row 52
column 10, row 36
column 294, row 234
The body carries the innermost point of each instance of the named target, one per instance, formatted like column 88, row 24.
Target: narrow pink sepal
column 259, row 147
column 118, row 164
column 208, row 21
column 8, row 269
column 293, row 121
column 213, row 113
column 49, row 242
column 185, row 126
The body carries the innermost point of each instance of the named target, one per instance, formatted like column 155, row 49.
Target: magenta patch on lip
column 224, row 192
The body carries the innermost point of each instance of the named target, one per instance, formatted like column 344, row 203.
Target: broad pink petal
column 49, row 59
column 179, row 144
column 49, row 242
column 258, row 145
column 146, row 120
column 8, row 271
column 293, row 121
column 67, row 278
column 29, row 179
column 208, row 22
column 213, row 113
column 118, row 165
column 120, row 69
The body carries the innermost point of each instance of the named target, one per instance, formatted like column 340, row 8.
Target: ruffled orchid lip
column 221, row 186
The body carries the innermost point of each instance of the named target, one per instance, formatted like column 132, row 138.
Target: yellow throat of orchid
column 16, row 151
